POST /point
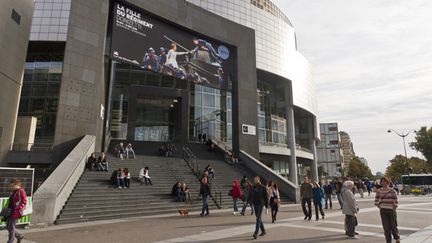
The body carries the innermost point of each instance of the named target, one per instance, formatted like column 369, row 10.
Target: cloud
column 372, row 66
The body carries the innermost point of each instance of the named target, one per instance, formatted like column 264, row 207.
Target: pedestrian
column 205, row 192
column 246, row 201
column 146, row 176
column 91, row 162
column 328, row 191
column 274, row 200
column 306, row 197
column 243, row 182
column 120, row 150
column 387, row 201
column 200, row 138
column 129, row 151
column 368, row 187
column 120, row 178
column 259, row 199
column 17, row 203
column 204, row 137
column 126, row 178
column 350, row 209
column 318, row 196
column 236, row 194
column 338, row 188
column 360, row 187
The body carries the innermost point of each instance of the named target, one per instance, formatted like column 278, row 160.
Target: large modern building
column 160, row 70
column 15, row 22
column 330, row 155
column 347, row 148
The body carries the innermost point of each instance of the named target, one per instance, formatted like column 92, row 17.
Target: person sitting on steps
column 130, row 153
column 91, row 162
column 144, row 176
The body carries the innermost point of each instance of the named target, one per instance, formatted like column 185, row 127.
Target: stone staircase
column 225, row 173
column 95, row 199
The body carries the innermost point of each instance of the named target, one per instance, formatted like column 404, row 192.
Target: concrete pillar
column 291, row 137
column 314, row 162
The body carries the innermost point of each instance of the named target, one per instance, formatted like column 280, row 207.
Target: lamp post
column 403, row 135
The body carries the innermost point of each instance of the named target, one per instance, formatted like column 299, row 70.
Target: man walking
column 328, row 191
column 205, row 193
column 259, row 198
column 306, row 195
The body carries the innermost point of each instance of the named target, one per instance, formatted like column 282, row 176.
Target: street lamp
column 403, row 135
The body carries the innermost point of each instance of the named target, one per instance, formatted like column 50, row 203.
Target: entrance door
column 157, row 114
column 155, row 119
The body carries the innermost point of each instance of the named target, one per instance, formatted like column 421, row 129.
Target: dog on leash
column 184, row 212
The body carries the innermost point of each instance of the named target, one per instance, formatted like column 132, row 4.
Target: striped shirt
column 386, row 198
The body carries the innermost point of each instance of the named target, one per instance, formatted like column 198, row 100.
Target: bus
column 417, row 183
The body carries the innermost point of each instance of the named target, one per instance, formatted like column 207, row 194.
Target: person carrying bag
column 17, row 207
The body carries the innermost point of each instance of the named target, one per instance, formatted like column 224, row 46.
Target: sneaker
column 120, row 187
column 242, row 213
column 305, row 217
column 234, row 213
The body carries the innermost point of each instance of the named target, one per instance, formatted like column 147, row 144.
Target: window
column 16, row 16
column 334, row 142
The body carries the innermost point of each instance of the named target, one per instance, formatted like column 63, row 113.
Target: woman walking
column 317, row 200
column 350, row 209
column 386, row 200
column 17, row 202
column 274, row 200
column 236, row 195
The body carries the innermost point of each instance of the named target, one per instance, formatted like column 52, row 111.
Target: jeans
column 318, row 206
column 235, row 204
column 389, row 222
column 258, row 214
column 126, row 182
column 340, row 198
column 245, row 204
column 205, row 204
column 307, row 212
column 130, row 152
column 120, row 182
column 328, row 197
column 147, row 180
column 10, row 226
column 103, row 166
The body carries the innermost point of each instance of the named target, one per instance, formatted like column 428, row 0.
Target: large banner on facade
column 153, row 44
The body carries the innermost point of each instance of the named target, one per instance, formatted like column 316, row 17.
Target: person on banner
column 16, row 209
column 151, row 60
column 171, row 58
column 202, row 51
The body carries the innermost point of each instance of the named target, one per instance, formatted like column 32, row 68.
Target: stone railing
column 52, row 195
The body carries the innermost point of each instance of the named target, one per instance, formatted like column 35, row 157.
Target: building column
column 314, row 162
column 293, row 173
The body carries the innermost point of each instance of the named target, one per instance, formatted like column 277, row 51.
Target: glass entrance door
column 154, row 119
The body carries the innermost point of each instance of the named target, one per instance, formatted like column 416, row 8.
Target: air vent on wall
column 16, row 16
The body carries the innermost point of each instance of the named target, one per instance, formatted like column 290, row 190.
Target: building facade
column 330, row 155
column 347, row 148
column 15, row 22
column 215, row 77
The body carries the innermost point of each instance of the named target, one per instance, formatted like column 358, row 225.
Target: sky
column 372, row 66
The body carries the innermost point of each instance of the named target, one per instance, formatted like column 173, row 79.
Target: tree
column 358, row 169
column 398, row 167
column 423, row 143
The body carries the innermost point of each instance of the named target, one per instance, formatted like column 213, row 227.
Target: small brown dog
column 184, row 212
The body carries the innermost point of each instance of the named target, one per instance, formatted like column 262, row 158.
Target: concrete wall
column 13, row 48
column 25, row 133
column 50, row 198
column 82, row 90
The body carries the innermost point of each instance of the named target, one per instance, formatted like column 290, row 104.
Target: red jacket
column 236, row 191
column 20, row 193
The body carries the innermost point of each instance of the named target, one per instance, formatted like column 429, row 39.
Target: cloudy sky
column 372, row 63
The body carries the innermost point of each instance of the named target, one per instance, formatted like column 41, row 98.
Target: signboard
column 140, row 39
column 248, row 129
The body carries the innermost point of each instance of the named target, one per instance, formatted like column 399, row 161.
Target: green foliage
column 358, row 169
column 398, row 167
column 423, row 143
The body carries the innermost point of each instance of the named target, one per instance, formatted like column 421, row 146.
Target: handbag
column 230, row 193
column 28, row 209
column 6, row 212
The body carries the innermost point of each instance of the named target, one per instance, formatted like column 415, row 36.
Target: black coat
column 258, row 195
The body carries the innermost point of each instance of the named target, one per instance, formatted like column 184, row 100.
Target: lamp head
column 389, row 131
